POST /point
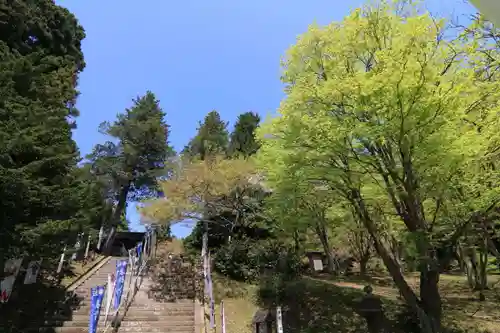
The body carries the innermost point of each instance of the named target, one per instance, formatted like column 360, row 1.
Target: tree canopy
column 381, row 110
column 211, row 139
column 242, row 139
column 40, row 59
column 133, row 162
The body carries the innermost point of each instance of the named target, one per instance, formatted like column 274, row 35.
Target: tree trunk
column 115, row 218
column 323, row 236
column 396, row 250
column 484, row 272
column 296, row 239
column 475, row 268
column 429, row 321
column 461, row 258
column 483, row 265
column 363, row 264
column 429, row 295
column 470, row 272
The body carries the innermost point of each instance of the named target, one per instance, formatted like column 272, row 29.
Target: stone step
column 181, row 302
column 85, row 287
column 74, row 324
column 158, row 295
column 151, row 309
column 158, row 323
column 103, row 273
column 186, row 318
column 168, row 292
column 173, row 329
column 128, row 322
column 182, row 287
column 146, row 316
column 135, row 313
column 109, row 266
column 58, row 307
column 145, row 304
column 94, row 280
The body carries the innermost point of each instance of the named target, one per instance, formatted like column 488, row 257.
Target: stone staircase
column 160, row 305
column 164, row 302
column 74, row 317
column 146, row 314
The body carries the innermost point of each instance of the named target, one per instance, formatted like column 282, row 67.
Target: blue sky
column 196, row 56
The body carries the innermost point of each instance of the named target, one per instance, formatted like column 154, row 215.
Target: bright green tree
column 381, row 109
column 297, row 206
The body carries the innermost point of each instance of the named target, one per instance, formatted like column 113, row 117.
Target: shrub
column 246, row 259
column 238, row 260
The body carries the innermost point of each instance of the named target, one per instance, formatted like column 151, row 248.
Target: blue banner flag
column 121, row 271
column 96, row 296
column 139, row 250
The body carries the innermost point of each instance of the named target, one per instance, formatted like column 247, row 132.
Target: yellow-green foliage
column 196, row 185
column 381, row 97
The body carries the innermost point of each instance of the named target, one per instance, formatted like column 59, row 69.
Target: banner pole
column 86, row 255
column 61, row 261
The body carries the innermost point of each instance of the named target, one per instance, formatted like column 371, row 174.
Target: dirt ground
column 327, row 304
column 322, row 304
column 461, row 306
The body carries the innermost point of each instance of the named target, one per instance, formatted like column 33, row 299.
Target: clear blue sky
column 195, row 56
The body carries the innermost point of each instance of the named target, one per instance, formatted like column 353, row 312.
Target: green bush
column 247, row 259
column 238, row 260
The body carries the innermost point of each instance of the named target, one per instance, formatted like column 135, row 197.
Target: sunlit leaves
column 376, row 93
column 196, row 185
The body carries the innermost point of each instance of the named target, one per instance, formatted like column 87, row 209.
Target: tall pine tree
column 242, row 140
column 132, row 165
column 211, row 139
column 40, row 59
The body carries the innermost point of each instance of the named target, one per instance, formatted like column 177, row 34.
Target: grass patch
column 240, row 304
column 239, row 313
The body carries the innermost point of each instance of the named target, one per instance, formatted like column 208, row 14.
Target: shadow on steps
column 48, row 307
column 31, row 305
